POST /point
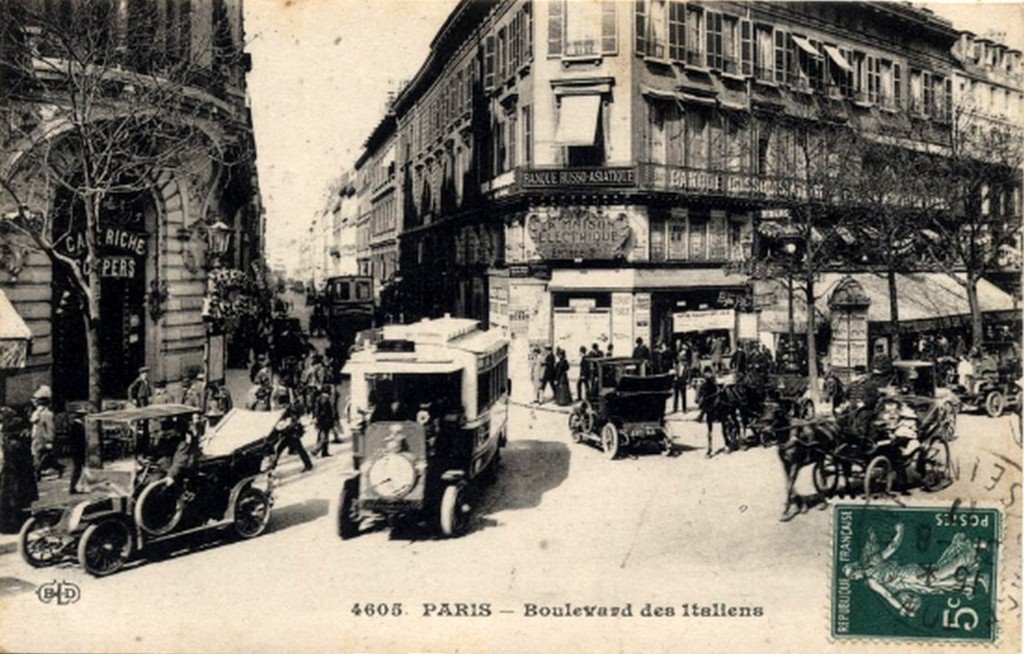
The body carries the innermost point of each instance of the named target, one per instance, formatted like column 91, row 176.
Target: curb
column 566, row 410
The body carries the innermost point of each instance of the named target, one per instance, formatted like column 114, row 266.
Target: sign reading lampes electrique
column 575, row 233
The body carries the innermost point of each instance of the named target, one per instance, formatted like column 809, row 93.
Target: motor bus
column 348, row 309
column 428, row 417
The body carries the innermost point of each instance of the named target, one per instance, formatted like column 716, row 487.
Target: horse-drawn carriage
column 903, row 433
column 131, row 510
column 622, row 408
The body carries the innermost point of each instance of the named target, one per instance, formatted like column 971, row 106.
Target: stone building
column 577, row 172
column 157, row 262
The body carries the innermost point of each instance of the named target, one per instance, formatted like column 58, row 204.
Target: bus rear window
column 341, row 291
column 363, row 290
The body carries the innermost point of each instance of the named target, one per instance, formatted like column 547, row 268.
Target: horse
column 805, row 443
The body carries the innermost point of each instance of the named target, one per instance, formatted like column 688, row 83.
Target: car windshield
column 611, row 373
column 401, row 396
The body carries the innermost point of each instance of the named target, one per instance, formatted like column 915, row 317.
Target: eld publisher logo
column 60, row 592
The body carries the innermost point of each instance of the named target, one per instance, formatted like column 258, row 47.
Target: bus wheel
column 454, row 511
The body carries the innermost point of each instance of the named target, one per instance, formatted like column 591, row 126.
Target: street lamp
column 218, row 238
column 789, row 247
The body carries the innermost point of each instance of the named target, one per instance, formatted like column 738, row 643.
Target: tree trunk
column 894, row 316
column 92, row 302
column 972, row 300
column 812, row 340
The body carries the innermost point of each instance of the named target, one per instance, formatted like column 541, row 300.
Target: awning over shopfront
column 577, row 120
column 15, row 336
column 630, row 279
column 924, row 299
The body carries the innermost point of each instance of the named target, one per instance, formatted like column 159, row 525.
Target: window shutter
column 556, row 27
column 746, row 47
column 489, row 62
column 528, row 43
column 641, row 26
column 609, row 28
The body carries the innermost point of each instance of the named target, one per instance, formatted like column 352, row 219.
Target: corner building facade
column 577, row 172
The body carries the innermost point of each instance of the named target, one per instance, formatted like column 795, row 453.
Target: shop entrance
column 123, row 246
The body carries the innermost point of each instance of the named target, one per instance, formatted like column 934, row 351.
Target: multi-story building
column 342, row 213
column 156, row 241
column 580, row 172
column 378, row 199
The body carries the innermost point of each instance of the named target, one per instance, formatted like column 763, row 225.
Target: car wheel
column 878, row 479
column 576, row 426
column 610, row 440
column 348, row 509
column 995, row 402
column 454, row 510
column 105, row 547
column 252, row 512
column 38, row 545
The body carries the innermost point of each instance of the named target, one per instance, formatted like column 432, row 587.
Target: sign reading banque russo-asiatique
column 557, row 178
column 574, row 233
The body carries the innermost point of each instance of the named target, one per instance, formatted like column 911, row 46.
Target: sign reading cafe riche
column 577, row 233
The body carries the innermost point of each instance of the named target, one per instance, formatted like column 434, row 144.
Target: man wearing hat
column 194, row 394
column 139, row 391
column 42, row 433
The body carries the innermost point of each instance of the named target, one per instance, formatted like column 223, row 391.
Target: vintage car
column 915, row 384
column 623, row 407
column 130, row 511
column 429, row 407
column 992, row 391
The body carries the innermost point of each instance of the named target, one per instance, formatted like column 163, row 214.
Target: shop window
column 581, row 300
column 676, row 246
column 697, row 249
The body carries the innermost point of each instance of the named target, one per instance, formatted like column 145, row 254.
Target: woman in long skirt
column 563, row 395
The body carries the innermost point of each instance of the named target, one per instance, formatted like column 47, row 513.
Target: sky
column 322, row 70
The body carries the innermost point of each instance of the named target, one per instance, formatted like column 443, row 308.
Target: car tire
column 105, row 547
column 995, row 402
column 610, row 441
column 348, row 512
column 252, row 512
column 454, row 511
column 33, row 533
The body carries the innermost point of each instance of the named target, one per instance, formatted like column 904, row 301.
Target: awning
column 629, row 279
column 577, row 120
column 15, row 336
column 659, row 94
column 837, row 57
column 922, row 297
column 805, row 45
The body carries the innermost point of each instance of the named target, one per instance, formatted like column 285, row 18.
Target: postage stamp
column 914, row 573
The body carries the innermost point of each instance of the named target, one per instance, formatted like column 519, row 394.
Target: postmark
column 915, row 573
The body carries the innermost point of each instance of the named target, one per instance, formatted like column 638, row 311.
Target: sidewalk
column 54, row 491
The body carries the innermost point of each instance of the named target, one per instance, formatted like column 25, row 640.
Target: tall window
column 489, row 62
column 781, row 56
column 696, row 138
column 694, row 42
column 609, row 28
column 929, row 93
column 746, row 47
column 730, row 41
column 527, row 136
column 713, row 25
column 874, row 78
column 897, row 85
column 556, row 27
column 676, row 30
column 763, row 53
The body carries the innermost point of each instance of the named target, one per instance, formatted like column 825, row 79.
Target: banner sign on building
column 574, row 233
column 696, row 321
column 617, row 177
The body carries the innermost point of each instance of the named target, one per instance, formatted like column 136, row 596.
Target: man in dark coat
column 642, row 352
column 77, row 447
column 548, row 376
column 323, row 415
column 139, row 391
column 17, row 475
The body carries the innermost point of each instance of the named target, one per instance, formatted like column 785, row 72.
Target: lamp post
column 218, row 239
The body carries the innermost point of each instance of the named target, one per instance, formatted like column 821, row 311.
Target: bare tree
column 104, row 100
column 976, row 181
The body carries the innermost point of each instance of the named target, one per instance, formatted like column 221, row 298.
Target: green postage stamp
column 914, row 573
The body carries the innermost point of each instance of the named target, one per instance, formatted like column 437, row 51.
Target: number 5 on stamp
column 914, row 573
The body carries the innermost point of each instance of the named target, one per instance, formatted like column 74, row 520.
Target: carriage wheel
column 610, row 440
column 454, row 510
column 348, row 509
column 878, row 479
column 105, row 547
column 37, row 543
column 995, row 402
column 252, row 512
column 826, row 475
column 933, row 465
